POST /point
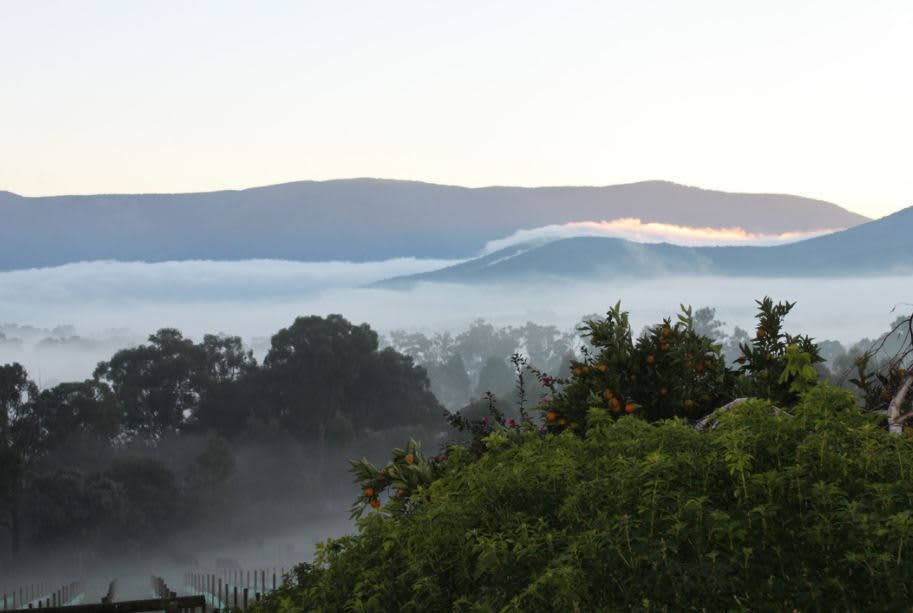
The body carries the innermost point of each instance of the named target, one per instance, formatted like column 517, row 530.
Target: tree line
column 155, row 433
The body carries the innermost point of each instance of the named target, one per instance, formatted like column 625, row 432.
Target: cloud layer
column 633, row 229
column 117, row 303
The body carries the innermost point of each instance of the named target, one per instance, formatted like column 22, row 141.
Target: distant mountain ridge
column 362, row 219
column 879, row 247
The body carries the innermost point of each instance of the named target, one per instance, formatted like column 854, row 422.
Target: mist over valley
column 499, row 306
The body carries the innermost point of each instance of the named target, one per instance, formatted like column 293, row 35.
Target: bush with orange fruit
column 668, row 371
column 407, row 472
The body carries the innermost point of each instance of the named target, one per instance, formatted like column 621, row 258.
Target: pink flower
column 511, row 423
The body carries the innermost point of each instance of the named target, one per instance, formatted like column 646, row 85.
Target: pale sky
column 801, row 96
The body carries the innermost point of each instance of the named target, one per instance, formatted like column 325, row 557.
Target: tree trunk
column 895, row 419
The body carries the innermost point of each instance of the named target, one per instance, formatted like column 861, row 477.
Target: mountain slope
column 362, row 219
column 878, row 247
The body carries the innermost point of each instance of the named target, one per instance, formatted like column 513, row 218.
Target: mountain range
column 879, row 247
column 363, row 220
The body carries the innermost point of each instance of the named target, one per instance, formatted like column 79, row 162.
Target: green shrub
column 671, row 370
column 770, row 510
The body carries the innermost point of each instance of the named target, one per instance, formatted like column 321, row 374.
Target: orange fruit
column 608, row 394
column 664, row 347
column 629, row 408
column 761, row 333
column 562, row 422
column 410, row 458
column 369, row 492
column 578, row 371
column 689, row 404
column 667, row 332
column 602, row 368
column 551, row 416
column 616, row 405
column 375, row 503
column 401, row 493
column 650, row 359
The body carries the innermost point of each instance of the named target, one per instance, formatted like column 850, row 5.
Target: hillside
column 880, row 246
column 362, row 219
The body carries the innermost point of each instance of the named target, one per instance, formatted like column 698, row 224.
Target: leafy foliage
column 806, row 510
column 774, row 360
column 673, row 370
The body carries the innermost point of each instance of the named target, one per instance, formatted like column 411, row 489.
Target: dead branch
column 708, row 422
column 895, row 419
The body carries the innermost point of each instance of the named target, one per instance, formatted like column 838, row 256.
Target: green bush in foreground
column 770, row 510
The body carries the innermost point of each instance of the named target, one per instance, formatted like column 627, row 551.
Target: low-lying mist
column 108, row 305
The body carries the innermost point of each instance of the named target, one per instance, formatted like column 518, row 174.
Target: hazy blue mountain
column 883, row 246
column 361, row 219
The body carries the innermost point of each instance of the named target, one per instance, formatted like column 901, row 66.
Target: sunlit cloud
column 633, row 229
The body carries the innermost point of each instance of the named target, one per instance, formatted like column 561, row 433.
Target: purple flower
column 484, row 421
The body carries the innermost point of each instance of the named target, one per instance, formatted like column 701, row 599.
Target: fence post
column 245, row 599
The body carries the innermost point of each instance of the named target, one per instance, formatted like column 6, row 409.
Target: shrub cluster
column 769, row 510
column 612, row 499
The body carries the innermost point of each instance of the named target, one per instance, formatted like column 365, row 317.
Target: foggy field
column 111, row 305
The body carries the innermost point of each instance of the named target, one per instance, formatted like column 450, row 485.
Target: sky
column 804, row 97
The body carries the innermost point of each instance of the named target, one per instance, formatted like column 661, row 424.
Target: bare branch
column 708, row 422
column 895, row 419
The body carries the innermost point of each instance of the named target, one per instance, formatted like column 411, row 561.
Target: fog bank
column 110, row 304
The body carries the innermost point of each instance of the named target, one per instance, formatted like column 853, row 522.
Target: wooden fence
column 235, row 589
column 42, row 596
